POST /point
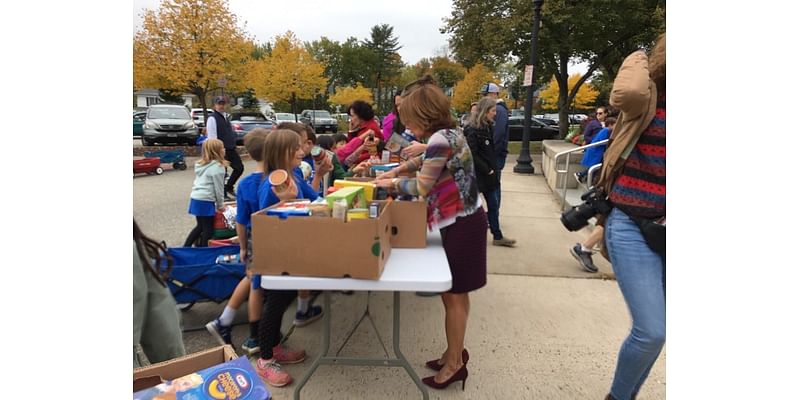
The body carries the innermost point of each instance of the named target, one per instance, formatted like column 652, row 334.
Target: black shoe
column 427, row 294
column 583, row 257
column 230, row 196
column 579, row 177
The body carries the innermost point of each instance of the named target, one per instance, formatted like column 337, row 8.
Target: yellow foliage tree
column 290, row 72
column 347, row 95
column 467, row 90
column 585, row 97
column 194, row 46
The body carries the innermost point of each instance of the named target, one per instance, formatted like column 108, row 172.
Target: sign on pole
column 528, row 76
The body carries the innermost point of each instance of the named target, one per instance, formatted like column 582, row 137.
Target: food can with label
column 374, row 208
column 279, row 179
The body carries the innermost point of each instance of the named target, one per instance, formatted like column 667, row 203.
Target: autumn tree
column 584, row 98
column 289, row 73
column 598, row 32
column 347, row 95
column 468, row 89
column 191, row 46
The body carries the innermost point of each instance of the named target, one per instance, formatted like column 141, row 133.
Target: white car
column 285, row 117
column 197, row 116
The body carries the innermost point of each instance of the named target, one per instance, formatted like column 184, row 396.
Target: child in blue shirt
column 246, row 204
column 283, row 151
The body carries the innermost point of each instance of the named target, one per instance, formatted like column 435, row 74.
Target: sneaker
column 504, row 242
column 283, row 355
column 427, row 294
column 583, row 257
column 220, row 332
column 229, row 196
column 579, row 177
column 302, row 319
column 272, row 373
column 251, row 346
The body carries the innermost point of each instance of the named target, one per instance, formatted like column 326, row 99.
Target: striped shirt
column 446, row 178
column 641, row 188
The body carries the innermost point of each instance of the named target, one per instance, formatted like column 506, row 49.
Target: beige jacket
column 635, row 95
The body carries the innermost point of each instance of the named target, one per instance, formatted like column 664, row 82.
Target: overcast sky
column 416, row 22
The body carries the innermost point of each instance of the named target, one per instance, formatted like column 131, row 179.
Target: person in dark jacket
column 218, row 127
column 500, row 130
column 478, row 132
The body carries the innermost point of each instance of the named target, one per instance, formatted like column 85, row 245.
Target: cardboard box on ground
column 327, row 247
column 216, row 373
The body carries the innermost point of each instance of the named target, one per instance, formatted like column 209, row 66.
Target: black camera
column 594, row 202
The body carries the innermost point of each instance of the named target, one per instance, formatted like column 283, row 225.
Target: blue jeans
column 641, row 275
column 501, row 162
column 493, row 204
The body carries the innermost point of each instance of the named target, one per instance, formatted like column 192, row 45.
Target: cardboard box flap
column 154, row 374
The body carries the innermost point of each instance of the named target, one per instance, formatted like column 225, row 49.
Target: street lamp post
column 524, row 165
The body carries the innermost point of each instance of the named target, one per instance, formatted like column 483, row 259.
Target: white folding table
column 406, row 270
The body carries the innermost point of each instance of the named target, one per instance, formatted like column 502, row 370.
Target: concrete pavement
column 535, row 331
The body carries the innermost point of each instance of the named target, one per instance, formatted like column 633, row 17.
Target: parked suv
column 320, row 120
column 167, row 123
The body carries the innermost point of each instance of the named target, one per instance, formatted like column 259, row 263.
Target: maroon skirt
column 464, row 244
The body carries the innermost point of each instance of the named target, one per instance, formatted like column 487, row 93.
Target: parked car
column 197, row 116
column 245, row 121
column 168, row 123
column 342, row 117
column 138, row 122
column 320, row 120
column 539, row 130
column 285, row 117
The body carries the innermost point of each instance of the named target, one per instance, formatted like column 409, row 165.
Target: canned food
column 319, row 154
column 280, row 181
column 374, row 208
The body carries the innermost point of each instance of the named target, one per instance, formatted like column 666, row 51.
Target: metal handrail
column 566, row 166
column 590, row 173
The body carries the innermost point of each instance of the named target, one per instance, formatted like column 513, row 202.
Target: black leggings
column 269, row 328
column 203, row 231
column 238, row 168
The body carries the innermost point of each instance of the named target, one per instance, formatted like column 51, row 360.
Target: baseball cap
column 220, row 99
column 490, row 88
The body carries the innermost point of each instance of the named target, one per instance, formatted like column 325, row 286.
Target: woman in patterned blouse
column 446, row 179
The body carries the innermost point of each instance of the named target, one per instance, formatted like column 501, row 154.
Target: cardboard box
column 354, row 196
column 320, row 246
column 216, row 373
column 409, row 224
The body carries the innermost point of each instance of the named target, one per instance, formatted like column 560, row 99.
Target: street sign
column 528, row 76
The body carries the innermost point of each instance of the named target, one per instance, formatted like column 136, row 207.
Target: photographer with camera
column 634, row 211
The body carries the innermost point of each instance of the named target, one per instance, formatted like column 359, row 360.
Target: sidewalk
column 535, row 332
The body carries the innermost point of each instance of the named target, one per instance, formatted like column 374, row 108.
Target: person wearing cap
column 218, row 127
column 500, row 134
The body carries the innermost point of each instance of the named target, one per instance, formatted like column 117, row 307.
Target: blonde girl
column 207, row 192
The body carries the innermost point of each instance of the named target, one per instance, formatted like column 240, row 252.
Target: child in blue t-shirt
column 246, row 204
column 283, row 151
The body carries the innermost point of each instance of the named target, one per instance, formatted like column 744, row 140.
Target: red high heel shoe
column 434, row 364
column 460, row 375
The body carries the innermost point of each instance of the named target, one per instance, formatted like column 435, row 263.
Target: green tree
column 598, row 32
column 384, row 45
column 170, row 96
column 446, row 71
column 193, row 46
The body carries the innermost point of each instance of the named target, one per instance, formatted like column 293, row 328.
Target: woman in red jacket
column 362, row 127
